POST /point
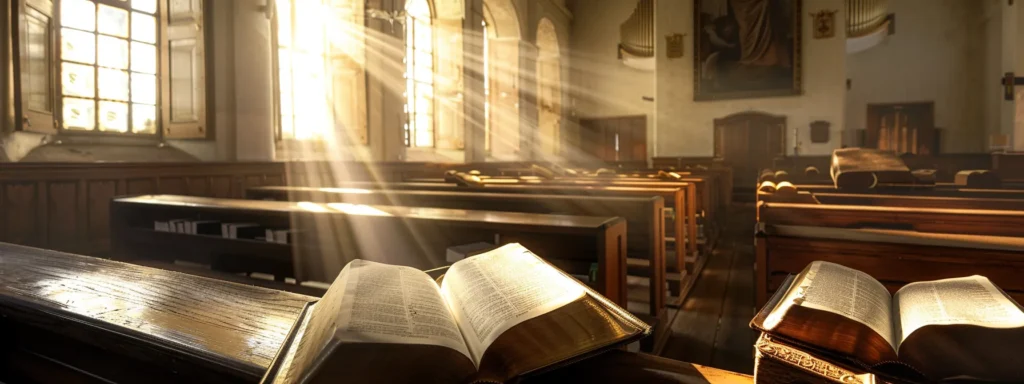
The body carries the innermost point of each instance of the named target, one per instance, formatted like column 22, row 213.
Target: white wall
column 685, row 127
column 945, row 51
column 601, row 86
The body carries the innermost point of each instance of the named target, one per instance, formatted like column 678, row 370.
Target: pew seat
column 72, row 318
column 894, row 257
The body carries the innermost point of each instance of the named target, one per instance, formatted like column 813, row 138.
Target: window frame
column 58, row 87
column 408, row 131
column 318, row 144
column 55, row 41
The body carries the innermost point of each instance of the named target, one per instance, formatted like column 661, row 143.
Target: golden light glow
column 419, row 75
column 311, row 206
column 357, row 209
column 320, row 60
column 348, row 190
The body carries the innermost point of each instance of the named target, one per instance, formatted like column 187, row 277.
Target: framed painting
column 746, row 49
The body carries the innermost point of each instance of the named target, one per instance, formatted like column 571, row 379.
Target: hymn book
column 493, row 318
column 950, row 329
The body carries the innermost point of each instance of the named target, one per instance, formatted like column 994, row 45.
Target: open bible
column 950, row 329
column 493, row 318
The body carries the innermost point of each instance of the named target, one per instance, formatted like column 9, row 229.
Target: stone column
column 1013, row 59
column 254, row 82
column 473, row 82
column 528, row 112
column 385, row 116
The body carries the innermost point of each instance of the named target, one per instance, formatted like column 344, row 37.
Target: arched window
column 549, row 88
column 321, row 85
column 419, row 61
column 501, row 79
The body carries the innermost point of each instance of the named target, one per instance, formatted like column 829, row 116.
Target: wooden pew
column 70, row 318
column 644, row 215
column 75, row 319
column 933, row 220
column 706, row 198
column 684, row 265
column 335, row 233
column 679, row 234
column 894, row 257
column 908, row 201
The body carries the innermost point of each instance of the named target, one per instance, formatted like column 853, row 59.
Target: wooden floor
column 711, row 327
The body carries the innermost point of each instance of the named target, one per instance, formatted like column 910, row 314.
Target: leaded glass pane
column 79, row 113
column 78, row 46
column 113, row 84
column 113, row 116
column 143, row 58
column 143, row 27
column 79, row 14
column 112, row 21
column 143, row 118
column 148, row 6
column 143, row 88
column 112, row 52
column 78, row 80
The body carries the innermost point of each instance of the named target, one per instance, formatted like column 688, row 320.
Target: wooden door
column 902, row 128
column 749, row 141
column 615, row 138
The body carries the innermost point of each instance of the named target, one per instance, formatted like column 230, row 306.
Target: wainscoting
column 65, row 206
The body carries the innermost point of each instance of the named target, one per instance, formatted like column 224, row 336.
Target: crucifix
column 1009, row 81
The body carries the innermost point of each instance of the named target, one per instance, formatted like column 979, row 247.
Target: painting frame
column 702, row 92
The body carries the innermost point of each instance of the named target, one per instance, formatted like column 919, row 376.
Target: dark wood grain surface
column 440, row 214
column 682, row 199
column 175, row 318
column 935, row 220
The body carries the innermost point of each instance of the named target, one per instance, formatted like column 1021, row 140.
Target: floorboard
column 711, row 327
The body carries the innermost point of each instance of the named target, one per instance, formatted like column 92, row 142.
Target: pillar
column 254, row 82
column 473, row 82
column 528, row 112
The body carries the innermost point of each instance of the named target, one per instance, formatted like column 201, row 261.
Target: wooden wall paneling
column 82, row 215
column 62, row 216
column 141, row 186
column 220, row 186
column 19, row 213
column 4, row 207
column 639, row 139
column 41, row 214
column 198, row 186
column 252, row 181
column 276, row 179
column 100, row 193
column 172, row 185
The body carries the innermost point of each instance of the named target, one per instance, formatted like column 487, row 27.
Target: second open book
column 494, row 317
column 943, row 329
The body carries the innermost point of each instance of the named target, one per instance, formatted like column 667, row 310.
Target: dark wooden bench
column 908, row 201
column 69, row 318
column 933, row 220
column 330, row 235
column 683, row 265
column 894, row 257
column 705, row 198
column 644, row 217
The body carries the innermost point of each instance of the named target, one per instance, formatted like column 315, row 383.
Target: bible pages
column 494, row 317
column 952, row 328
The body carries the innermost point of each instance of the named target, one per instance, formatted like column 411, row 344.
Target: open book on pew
column 494, row 317
column 943, row 330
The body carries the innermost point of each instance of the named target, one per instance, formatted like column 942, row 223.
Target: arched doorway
column 549, row 89
column 501, row 79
